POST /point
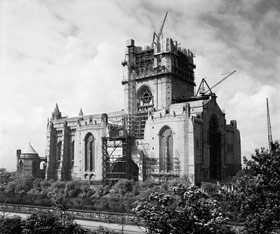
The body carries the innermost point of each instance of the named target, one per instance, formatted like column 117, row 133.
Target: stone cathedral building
column 167, row 130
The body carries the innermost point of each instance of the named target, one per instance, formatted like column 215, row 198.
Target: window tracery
column 166, row 160
column 89, row 153
column 145, row 99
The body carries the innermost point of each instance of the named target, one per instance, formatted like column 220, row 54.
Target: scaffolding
column 141, row 64
column 117, row 161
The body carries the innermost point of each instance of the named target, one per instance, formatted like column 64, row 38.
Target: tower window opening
column 145, row 99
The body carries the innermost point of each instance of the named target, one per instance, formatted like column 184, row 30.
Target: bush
column 210, row 188
column 186, row 210
column 10, row 225
column 45, row 184
column 259, row 194
column 123, row 186
column 58, row 185
column 103, row 230
column 72, row 189
column 44, row 223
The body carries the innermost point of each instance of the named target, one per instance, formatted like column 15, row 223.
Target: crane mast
column 223, row 79
column 156, row 37
column 162, row 25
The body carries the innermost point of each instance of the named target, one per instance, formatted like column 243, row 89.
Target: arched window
column 72, row 153
column 89, row 153
column 215, row 148
column 58, row 153
column 42, row 165
column 145, row 99
column 166, row 160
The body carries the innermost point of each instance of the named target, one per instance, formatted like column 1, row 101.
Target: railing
column 108, row 217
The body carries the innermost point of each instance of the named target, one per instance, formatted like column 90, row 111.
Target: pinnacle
column 56, row 109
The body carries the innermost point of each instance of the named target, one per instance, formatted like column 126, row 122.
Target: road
column 127, row 229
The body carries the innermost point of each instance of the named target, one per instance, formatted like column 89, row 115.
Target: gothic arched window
column 72, row 153
column 58, row 153
column 166, row 162
column 215, row 148
column 145, row 98
column 89, row 153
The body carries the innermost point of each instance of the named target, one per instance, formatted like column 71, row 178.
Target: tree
column 185, row 210
column 123, row 186
column 61, row 204
column 72, row 189
column 103, row 230
column 45, row 223
column 259, row 194
column 42, row 223
column 10, row 225
column 6, row 177
column 24, row 184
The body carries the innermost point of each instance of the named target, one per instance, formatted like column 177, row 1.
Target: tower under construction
column 166, row 130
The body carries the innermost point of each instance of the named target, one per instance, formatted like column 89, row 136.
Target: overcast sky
column 69, row 52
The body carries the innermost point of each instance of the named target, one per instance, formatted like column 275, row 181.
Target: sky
column 69, row 52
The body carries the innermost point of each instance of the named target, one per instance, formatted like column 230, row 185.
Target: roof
column 112, row 114
column 29, row 150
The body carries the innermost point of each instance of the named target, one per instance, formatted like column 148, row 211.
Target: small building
column 29, row 163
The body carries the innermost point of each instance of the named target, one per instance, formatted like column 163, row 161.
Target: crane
column 202, row 90
column 159, row 35
column 270, row 142
column 162, row 25
column 223, row 79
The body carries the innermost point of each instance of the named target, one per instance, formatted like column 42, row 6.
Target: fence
column 108, row 217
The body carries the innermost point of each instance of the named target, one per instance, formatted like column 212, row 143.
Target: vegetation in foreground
column 79, row 194
column 252, row 197
column 45, row 223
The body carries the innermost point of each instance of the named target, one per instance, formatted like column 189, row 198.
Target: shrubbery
column 252, row 196
column 185, row 210
column 10, row 225
column 81, row 194
column 256, row 196
column 45, row 223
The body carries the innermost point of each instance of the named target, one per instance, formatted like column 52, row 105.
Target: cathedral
column 167, row 129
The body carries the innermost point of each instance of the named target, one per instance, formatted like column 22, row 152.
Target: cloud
column 69, row 52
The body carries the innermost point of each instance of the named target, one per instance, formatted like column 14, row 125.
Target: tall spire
column 81, row 112
column 270, row 141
